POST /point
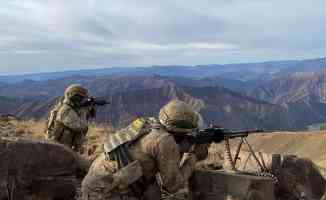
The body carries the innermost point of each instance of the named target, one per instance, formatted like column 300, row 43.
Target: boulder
column 297, row 177
column 32, row 169
column 300, row 178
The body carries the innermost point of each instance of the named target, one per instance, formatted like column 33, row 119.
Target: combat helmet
column 178, row 117
column 75, row 89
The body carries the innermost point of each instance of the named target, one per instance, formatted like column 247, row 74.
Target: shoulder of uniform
column 156, row 140
column 64, row 110
column 160, row 134
column 64, row 107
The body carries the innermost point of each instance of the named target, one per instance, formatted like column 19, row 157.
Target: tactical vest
column 116, row 148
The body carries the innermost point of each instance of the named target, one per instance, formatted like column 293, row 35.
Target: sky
column 56, row 35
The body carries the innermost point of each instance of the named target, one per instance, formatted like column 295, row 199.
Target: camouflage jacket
column 70, row 125
column 73, row 119
column 157, row 152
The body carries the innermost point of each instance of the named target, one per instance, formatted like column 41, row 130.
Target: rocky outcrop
column 36, row 170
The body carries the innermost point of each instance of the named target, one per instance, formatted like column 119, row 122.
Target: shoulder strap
column 134, row 131
column 53, row 114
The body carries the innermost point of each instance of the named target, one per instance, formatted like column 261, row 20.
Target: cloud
column 45, row 35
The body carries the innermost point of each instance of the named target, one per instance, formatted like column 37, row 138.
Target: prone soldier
column 135, row 155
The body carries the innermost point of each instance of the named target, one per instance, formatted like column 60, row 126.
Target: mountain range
column 143, row 96
column 240, row 71
column 286, row 95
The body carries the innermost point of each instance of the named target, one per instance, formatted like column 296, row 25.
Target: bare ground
column 310, row 145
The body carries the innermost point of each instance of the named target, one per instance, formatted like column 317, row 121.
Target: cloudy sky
column 56, row 35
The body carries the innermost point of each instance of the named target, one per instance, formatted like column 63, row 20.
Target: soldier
column 68, row 121
column 135, row 155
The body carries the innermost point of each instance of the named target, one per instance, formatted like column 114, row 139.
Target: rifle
column 94, row 101
column 215, row 134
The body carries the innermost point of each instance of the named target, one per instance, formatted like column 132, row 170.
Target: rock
column 300, row 178
column 221, row 185
column 36, row 170
column 297, row 177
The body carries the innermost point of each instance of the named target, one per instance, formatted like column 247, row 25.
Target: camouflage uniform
column 70, row 123
column 157, row 152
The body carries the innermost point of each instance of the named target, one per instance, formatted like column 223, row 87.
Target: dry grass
column 303, row 144
column 31, row 128
column 20, row 128
column 93, row 142
column 95, row 139
column 36, row 129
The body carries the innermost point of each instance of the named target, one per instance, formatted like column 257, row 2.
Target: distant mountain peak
column 241, row 71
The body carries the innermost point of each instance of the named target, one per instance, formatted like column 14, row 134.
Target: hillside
column 99, row 86
column 296, row 87
column 217, row 105
column 289, row 103
column 8, row 105
column 145, row 95
column 304, row 144
column 235, row 111
column 301, row 94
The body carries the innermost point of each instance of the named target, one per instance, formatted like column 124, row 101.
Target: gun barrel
column 235, row 134
column 101, row 102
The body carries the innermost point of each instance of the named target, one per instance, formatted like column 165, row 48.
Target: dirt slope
column 304, row 144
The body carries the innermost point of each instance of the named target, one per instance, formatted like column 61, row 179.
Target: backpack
column 52, row 118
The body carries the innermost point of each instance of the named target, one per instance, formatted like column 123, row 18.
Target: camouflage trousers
column 98, row 189
column 103, row 197
column 72, row 140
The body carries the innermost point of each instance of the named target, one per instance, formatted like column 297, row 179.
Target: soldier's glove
column 188, row 158
column 84, row 130
column 184, row 146
column 200, row 150
column 91, row 114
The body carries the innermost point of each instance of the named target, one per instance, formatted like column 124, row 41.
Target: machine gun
column 94, row 101
column 215, row 134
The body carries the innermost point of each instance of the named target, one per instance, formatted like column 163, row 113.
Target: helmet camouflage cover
column 178, row 117
column 75, row 89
